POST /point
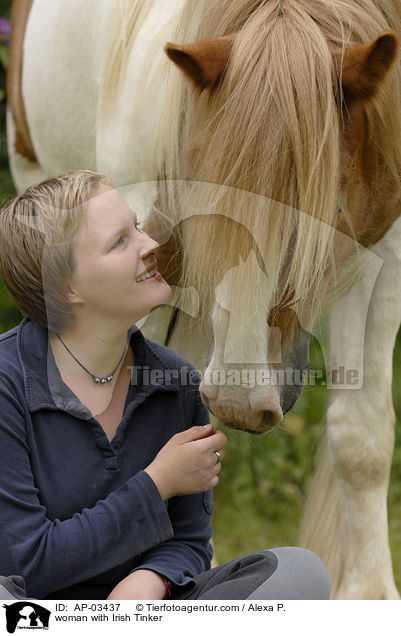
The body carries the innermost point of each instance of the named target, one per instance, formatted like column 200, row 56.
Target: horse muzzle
column 255, row 411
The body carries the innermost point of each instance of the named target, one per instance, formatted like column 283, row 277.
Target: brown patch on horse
column 202, row 62
column 373, row 194
column 20, row 11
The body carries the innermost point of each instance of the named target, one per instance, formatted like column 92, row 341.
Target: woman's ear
column 73, row 296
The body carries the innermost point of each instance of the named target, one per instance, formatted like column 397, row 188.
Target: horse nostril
column 268, row 417
column 265, row 407
column 271, row 418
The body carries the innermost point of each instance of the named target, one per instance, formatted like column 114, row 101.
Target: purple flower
column 5, row 30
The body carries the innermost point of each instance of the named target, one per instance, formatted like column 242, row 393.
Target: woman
column 108, row 457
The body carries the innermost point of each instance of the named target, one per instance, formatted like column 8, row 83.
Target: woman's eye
column 119, row 242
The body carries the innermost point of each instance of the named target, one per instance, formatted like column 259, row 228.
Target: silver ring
column 218, row 456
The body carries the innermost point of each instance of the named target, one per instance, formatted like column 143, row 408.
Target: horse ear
column 202, row 62
column 365, row 67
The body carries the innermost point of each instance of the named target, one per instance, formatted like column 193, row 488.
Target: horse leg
column 345, row 520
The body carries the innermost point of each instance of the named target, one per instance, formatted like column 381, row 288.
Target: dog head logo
column 26, row 615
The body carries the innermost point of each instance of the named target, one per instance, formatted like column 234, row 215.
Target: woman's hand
column 141, row 584
column 188, row 464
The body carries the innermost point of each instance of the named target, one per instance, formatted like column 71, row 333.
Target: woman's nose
column 149, row 245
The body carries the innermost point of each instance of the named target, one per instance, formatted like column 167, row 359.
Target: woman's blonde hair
column 36, row 256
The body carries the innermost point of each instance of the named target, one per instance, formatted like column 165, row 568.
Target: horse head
column 288, row 168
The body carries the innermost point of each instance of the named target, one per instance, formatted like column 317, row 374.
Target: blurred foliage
column 9, row 314
column 264, row 481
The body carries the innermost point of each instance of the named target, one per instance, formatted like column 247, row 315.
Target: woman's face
column 111, row 256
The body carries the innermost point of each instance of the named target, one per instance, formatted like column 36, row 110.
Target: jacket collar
column 44, row 387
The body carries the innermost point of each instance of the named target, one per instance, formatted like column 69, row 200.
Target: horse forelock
column 272, row 129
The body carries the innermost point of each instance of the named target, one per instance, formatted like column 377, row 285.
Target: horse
column 265, row 136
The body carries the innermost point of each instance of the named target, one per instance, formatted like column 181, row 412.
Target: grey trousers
column 289, row 573
column 278, row 574
column 12, row 587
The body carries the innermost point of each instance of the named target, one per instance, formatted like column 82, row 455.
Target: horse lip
column 240, row 428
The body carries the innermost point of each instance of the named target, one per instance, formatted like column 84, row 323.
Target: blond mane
column 127, row 18
column 272, row 128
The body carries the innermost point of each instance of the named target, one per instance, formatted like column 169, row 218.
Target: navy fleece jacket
column 77, row 512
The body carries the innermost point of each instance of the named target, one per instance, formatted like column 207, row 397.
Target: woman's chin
column 164, row 297
column 167, row 291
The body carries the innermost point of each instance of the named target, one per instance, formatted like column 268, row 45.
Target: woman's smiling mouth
column 147, row 274
column 151, row 275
